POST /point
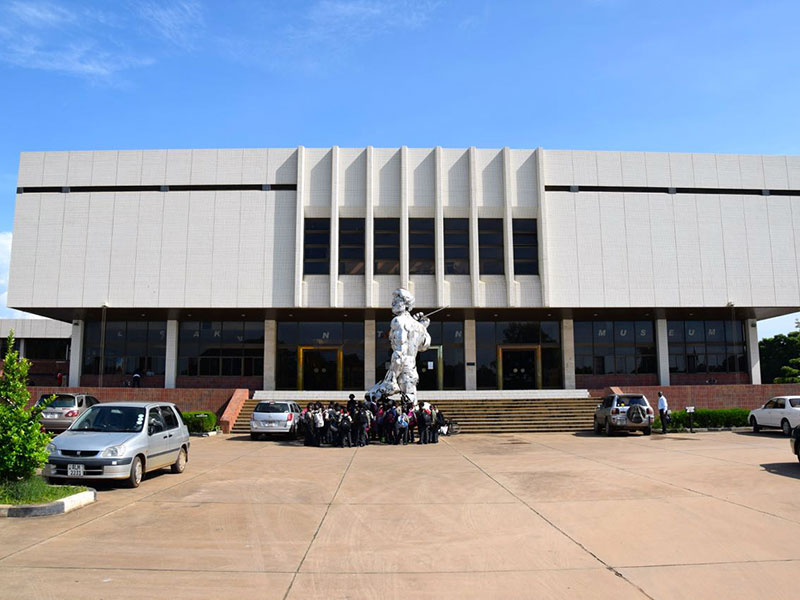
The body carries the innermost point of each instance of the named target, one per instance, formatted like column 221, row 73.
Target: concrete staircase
column 519, row 416
column 242, row 424
column 476, row 412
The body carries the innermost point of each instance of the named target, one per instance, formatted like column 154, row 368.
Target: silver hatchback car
column 120, row 440
column 65, row 408
column 274, row 417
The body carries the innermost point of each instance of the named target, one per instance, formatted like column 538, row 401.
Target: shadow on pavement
column 771, row 433
column 787, row 469
column 274, row 439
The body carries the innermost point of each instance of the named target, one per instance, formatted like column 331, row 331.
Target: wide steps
column 492, row 414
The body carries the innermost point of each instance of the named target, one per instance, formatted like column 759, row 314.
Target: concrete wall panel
column 148, row 249
column 25, row 240
column 123, row 250
column 31, row 168
column 589, row 275
column 455, row 178
column 225, row 262
column 173, row 267
column 250, row 266
column 784, row 258
column 73, row 250
column 664, row 247
column 737, row 264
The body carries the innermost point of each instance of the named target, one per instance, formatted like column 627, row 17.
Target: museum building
column 273, row 269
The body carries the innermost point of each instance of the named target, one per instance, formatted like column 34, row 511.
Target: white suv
column 630, row 412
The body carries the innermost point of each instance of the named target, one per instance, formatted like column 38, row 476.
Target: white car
column 782, row 413
column 275, row 417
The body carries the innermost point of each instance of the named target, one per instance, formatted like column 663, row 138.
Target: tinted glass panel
column 351, row 246
column 316, row 246
column 387, row 246
column 490, row 246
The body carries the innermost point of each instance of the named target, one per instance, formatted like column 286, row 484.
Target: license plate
column 74, row 470
column 50, row 416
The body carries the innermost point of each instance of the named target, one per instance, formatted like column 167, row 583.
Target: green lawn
column 34, row 490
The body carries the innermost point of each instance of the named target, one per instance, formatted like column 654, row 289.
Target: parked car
column 63, row 411
column 628, row 412
column 120, row 440
column 794, row 443
column 275, row 417
column 782, row 412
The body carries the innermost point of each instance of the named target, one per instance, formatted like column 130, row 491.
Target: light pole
column 103, row 343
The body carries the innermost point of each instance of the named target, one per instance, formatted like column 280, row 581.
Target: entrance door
column 319, row 368
column 519, row 367
column 430, row 369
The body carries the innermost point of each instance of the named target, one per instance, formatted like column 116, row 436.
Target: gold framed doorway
column 514, row 363
column 320, row 368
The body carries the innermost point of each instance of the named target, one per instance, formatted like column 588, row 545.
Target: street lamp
column 103, row 343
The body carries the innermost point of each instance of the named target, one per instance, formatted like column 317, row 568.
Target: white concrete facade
column 238, row 249
column 173, row 230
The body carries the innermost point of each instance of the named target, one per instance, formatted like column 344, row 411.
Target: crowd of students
column 367, row 421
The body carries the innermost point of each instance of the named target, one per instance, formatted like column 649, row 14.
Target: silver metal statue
column 408, row 335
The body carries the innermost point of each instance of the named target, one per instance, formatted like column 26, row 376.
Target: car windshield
column 61, row 401
column 111, row 419
column 631, row 401
column 270, row 407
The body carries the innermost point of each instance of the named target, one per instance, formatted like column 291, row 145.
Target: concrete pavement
column 709, row 515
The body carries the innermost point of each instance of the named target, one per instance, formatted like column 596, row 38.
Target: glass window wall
column 221, row 348
column 711, row 346
column 614, row 347
column 130, row 346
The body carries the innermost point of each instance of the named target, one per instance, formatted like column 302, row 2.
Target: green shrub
column 707, row 418
column 200, row 421
column 23, row 444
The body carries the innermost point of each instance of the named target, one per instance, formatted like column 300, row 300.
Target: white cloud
column 325, row 32
column 178, row 23
column 86, row 40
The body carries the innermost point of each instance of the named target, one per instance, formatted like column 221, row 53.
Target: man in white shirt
column 663, row 407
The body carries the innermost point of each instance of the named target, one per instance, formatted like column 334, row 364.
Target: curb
column 58, row 507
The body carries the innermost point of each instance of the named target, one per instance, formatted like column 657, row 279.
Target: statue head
column 402, row 300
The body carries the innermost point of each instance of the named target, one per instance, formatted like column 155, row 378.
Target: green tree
column 23, row 444
column 790, row 373
column 777, row 352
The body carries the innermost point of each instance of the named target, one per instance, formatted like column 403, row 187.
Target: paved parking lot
column 709, row 515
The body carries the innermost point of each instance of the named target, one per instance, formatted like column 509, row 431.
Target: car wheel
column 787, row 429
column 609, row 427
column 180, row 463
column 755, row 425
column 137, row 472
column 647, row 430
column 597, row 427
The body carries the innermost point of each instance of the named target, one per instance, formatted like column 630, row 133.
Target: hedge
column 200, row 421
column 707, row 418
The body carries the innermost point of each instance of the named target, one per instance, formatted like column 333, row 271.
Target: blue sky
column 590, row 74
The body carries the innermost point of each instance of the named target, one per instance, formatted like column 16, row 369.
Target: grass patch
column 34, row 490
